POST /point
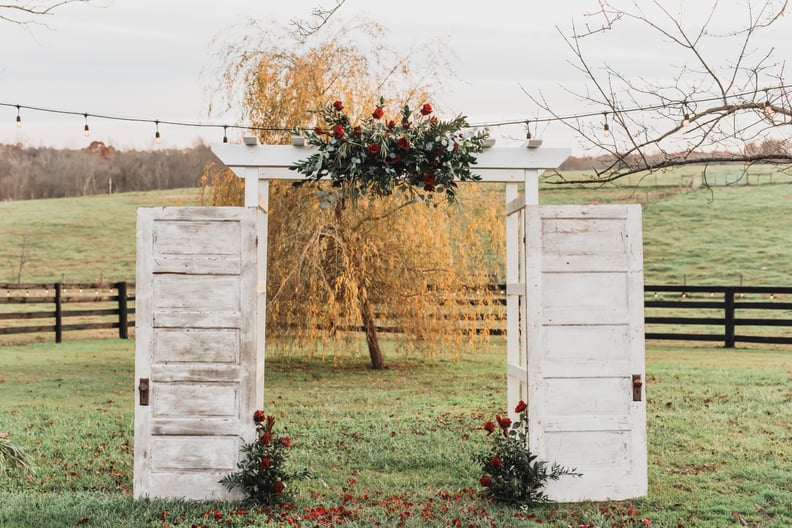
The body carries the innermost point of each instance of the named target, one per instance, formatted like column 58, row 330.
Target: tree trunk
column 372, row 340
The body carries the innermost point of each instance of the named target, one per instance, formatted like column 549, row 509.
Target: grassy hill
column 705, row 236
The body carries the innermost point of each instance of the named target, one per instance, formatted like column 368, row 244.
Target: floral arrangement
column 419, row 154
column 512, row 474
column 262, row 475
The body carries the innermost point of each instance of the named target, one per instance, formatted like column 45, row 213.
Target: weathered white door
column 197, row 368
column 585, row 347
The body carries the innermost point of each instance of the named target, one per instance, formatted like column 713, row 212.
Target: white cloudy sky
column 149, row 59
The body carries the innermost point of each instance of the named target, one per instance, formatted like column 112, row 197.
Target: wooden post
column 728, row 300
column 123, row 312
column 58, row 313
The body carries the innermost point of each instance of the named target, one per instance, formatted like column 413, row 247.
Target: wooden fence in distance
column 70, row 307
column 727, row 314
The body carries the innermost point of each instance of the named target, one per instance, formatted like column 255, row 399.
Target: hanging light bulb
column 606, row 129
column 157, row 134
column 225, row 134
column 87, row 129
column 767, row 106
column 19, row 118
column 686, row 120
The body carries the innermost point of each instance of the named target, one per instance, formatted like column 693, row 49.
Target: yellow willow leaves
column 420, row 271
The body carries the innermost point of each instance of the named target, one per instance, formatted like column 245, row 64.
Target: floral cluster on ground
column 512, row 474
column 262, row 473
column 459, row 509
column 415, row 153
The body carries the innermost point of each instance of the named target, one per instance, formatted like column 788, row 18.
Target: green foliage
column 512, row 474
column 381, row 156
column 262, row 474
column 718, row 426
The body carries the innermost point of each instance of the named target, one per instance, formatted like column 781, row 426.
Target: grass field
column 716, row 236
column 396, row 446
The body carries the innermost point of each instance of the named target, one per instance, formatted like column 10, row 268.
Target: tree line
column 28, row 173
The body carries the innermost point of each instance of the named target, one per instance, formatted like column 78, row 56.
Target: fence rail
column 101, row 306
column 762, row 303
column 687, row 313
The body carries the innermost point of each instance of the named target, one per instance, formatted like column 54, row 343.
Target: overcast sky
column 153, row 59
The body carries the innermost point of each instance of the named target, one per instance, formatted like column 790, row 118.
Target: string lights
column 766, row 108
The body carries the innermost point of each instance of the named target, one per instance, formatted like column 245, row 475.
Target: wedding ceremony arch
column 574, row 346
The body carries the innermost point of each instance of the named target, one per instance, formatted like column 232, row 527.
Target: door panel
column 584, row 281
column 196, row 348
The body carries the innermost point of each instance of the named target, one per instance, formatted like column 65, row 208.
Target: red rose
column 429, row 178
column 485, row 481
column 489, row 427
column 285, row 441
column 258, row 416
column 338, row 131
column 496, row 461
column 338, row 105
column 373, row 148
column 426, row 109
column 279, row 487
column 378, row 113
column 265, row 438
column 357, row 131
column 503, row 421
column 520, row 407
column 266, row 463
column 403, row 143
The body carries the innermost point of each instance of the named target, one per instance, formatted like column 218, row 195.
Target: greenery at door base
column 262, row 475
column 512, row 474
column 416, row 154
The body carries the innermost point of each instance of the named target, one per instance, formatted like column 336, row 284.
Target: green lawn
column 395, row 446
column 716, row 236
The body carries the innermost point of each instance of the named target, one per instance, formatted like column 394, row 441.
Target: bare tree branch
column 320, row 16
column 24, row 12
column 711, row 110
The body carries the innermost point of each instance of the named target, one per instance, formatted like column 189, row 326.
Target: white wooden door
column 196, row 361
column 585, row 348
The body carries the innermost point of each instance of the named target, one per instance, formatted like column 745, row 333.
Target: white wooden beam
column 494, row 164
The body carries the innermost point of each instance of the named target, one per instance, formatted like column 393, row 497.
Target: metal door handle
column 143, row 389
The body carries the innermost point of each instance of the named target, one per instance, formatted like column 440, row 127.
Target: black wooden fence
column 71, row 307
column 727, row 314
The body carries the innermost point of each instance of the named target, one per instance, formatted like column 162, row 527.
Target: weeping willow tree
column 413, row 267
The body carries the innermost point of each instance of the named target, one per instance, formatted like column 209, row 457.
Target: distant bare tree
column 710, row 111
column 25, row 12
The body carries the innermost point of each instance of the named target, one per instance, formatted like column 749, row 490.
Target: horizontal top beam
column 494, row 164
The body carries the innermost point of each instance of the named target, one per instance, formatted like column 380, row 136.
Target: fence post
column 123, row 319
column 728, row 300
column 58, row 313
